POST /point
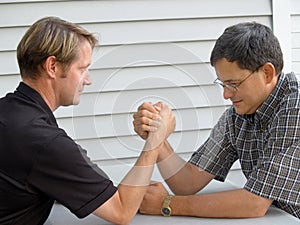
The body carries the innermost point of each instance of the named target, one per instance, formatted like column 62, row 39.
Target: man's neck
column 45, row 90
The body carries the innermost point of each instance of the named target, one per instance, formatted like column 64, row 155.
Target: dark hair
column 249, row 44
column 50, row 36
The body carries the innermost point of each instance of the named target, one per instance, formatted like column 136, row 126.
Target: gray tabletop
column 62, row 216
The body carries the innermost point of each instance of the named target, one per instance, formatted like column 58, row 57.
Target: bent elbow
column 258, row 213
column 123, row 218
column 257, row 206
column 260, row 210
column 118, row 218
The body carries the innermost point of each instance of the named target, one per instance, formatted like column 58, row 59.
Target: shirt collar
column 266, row 110
column 29, row 93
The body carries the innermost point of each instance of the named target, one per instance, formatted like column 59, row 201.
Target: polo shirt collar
column 29, row 93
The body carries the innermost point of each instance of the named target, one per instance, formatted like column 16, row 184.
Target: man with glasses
column 261, row 130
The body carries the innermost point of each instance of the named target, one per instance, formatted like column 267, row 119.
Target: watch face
column 166, row 211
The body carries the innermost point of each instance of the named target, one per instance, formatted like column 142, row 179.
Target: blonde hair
column 50, row 36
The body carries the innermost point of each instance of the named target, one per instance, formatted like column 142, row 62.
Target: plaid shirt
column 266, row 143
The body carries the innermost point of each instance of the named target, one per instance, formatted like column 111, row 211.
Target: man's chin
column 238, row 110
column 241, row 111
column 71, row 103
column 76, row 103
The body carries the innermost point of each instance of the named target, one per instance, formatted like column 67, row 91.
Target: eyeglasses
column 233, row 87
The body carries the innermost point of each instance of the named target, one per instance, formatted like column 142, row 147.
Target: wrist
column 165, row 152
column 153, row 144
column 154, row 141
column 166, row 209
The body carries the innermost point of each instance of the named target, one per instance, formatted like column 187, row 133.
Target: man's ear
column 50, row 66
column 269, row 71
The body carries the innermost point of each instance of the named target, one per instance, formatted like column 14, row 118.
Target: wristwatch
column 166, row 209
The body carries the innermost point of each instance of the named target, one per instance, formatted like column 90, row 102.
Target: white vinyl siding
column 150, row 50
column 295, row 34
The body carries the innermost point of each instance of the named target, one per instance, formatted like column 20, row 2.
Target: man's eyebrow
column 86, row 66
column 229, row 80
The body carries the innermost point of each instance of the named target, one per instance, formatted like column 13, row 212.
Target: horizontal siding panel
column 9, row 63
column 121, row 124
column 295, row 23
column 131, row 146
column 130, row 78
column 10, row 37
column 295, row 7
column 296, row 40
column 8, row 84
column 144, row 31
column 295, row 29
column 106, row 11
column 134, row 55
column 166, row 30
column 296, row 68
column 296, row 55
column 125, row 101
column 150, row 54
column 116, row 169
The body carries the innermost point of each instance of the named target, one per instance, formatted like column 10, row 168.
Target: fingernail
column 157, row 117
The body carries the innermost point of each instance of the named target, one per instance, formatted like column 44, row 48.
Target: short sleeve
column 217, row 154
column 64, row 172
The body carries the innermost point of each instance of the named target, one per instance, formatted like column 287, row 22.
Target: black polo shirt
column 40, row 163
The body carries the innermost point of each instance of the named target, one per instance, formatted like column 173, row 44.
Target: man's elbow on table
column 115, row 212
column 259, row 206
column 115, row 217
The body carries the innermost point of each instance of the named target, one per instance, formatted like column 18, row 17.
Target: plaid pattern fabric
column 267, row 144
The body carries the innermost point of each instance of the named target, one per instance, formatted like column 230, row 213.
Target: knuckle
column 134, row 115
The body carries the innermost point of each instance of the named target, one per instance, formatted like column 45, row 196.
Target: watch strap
column 166, row 209
column 167, row 201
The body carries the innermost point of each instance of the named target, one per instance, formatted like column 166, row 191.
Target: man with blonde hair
column 39, row 162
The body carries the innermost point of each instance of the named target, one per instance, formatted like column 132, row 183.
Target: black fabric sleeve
column 63, row 171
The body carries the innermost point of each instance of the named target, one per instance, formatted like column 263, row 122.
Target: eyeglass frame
column 233, row 87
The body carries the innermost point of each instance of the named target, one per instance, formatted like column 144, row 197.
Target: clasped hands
column 154, row 118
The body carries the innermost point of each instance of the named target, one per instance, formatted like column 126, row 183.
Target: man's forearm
column 179, row 174
column 230, row 204
column 134, row 185
column 140, row 174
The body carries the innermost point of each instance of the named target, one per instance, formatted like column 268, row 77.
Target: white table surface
column 62, row 216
